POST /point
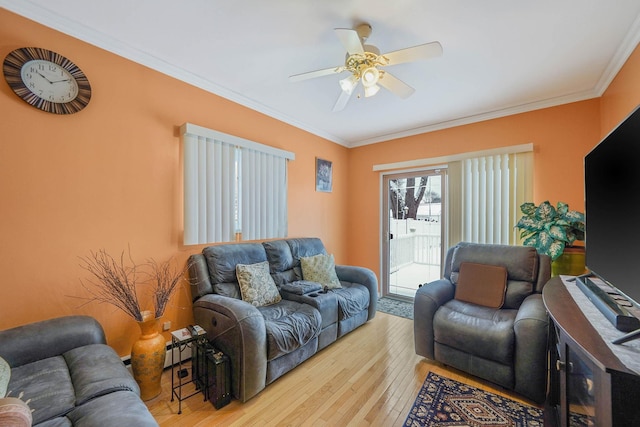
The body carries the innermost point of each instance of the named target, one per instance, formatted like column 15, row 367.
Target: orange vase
column 147, row 357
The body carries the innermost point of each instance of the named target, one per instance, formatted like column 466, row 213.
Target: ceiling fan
column 364, row 62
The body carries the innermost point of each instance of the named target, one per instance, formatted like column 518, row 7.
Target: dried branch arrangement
column 165, row 278
column 116, row 283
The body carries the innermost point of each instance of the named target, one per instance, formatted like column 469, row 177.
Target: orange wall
column 622, row 95
column 561, row 137
column 110, row 176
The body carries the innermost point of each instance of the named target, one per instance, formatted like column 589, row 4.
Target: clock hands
column 43, row 76
column 51, row 82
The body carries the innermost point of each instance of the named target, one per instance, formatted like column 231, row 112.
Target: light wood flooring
column 368, row 377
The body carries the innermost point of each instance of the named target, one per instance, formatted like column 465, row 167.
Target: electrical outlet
column 166, row 325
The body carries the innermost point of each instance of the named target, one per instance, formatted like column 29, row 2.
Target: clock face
column 47, row 80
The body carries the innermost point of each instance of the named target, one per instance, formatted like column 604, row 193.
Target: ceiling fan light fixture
column 349, row 83
column 370, row 76
column 371, row 90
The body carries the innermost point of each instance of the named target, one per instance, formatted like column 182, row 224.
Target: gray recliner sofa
column 506, row 345
column 70, row 376
column 264, row 343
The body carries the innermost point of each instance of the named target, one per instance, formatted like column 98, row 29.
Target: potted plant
column 553, row 231
column 116, row 282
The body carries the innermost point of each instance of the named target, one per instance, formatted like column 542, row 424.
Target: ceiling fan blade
column 396, row 86
column 350, row 40
column 415, row 53
column 343, row 99
column 317, row 73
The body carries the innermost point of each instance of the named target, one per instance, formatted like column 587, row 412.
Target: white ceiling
column 500, row 56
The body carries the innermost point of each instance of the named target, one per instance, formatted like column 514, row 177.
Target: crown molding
column 74, row 29
column 490, row 115
column 51, row 19
column 621, row 56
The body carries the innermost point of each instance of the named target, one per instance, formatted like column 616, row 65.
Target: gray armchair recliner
column 70, row 376
column 505, row 345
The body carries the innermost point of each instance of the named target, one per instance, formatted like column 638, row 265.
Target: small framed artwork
column 324, row 175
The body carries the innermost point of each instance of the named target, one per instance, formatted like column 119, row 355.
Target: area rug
column 446, row 402
column 396, row 307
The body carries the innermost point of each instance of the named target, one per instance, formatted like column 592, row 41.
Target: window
column 233, row 188
column 487, row 192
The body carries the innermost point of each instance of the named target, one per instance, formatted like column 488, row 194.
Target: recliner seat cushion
column 47, row 386
column 96, row 370
column 353, row 298
column 481, row 331
column 118, row 409
column 289, row 325
column 56, row 385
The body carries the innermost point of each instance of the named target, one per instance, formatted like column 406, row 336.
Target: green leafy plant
column 550, row 229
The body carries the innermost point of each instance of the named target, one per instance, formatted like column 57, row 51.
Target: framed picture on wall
column 324, row 175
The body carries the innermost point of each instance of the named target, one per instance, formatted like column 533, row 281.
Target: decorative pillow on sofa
column 322, row 269
column 482, row 284
column 5, row 375
column 256, row 284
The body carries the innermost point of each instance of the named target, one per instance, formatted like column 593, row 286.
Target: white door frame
column 384, row 215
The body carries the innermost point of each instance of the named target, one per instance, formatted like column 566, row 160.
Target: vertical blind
column 489, row 191
column 231, row 186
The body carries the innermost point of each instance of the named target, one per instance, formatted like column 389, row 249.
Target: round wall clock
column 47, row 80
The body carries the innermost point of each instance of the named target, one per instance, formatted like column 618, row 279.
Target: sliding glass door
column 413, row 225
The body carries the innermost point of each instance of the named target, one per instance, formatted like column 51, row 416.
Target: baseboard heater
column 186, row 355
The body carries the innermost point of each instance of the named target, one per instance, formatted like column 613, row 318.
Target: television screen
column 612, row 208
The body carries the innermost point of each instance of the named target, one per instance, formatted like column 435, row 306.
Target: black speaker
column 199, row 364
column 218, row 378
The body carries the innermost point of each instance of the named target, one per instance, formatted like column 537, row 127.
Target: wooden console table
column 588, row 385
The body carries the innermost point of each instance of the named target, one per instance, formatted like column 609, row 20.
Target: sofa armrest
column 364, row 277
column 48, row 338
column 532, row 330
column 238, row 329
column 428, row 299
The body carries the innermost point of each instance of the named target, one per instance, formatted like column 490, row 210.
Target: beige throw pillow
column 256, row 284
column 321, row 269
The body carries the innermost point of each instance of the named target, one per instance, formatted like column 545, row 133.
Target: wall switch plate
column 166, row 325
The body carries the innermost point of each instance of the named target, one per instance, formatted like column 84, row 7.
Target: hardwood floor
column 369, row 377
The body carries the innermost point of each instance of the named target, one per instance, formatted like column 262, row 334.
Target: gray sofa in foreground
column 70, row 376
column 505, row 344
column 265, row 342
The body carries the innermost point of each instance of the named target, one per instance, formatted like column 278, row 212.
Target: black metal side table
column 180, row 341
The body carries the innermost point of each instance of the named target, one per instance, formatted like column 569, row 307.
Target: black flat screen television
column 612, row 208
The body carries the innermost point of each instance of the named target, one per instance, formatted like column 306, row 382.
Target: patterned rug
column 396, row 307
column 446, row 402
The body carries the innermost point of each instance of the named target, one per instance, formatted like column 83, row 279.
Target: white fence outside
column 415, row 254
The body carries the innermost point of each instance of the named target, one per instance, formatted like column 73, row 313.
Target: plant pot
column 147, row 357
column 570, row 263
